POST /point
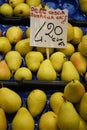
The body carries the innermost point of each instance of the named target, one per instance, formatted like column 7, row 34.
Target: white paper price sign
column 48, row 27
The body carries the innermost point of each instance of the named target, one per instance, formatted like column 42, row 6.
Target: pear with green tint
column 11, row 101
column 57, row 59
column 69, row 72
column 83, row 107
column 83, row 124
column 67, row 118
column 56, row 100
column 46, row 71
column 23, row 46
column 22, row 10
column 33, row 60
column 23, row 73
column 74, row 91
column 3, row 120
column 48, row 121
column 36, row 101
column 13, row 59
column 23, row 120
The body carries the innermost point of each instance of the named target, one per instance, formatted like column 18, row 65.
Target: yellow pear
column 23, row 73
column 23, row 120
column 3, row 120
column 83, row 45
column 56, row 99
column 79, row 61
column 83, row 107
column 74, row 90
column 83, row 124
column 23, row 46
column 70, row 32
column 14, row 34
column 57, row 59
column 5, row 73
column 78, row 34
column 46, row 71
column 11, row 101
column 33, row 60
column 13, row 60
column 33, row 2
column 85, row 76
column 5, row 45
column 48, row 121
column 27, row 32
column 69, row 50
column 83, row 5
column 36, row 102
column 22, row 10
column 6, row 9
column 14, row 3
column 67, row 118
column 69, row 72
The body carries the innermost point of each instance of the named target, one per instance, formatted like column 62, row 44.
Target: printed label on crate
column 48, row 27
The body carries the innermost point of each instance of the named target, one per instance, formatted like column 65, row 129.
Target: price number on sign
column 53, row 33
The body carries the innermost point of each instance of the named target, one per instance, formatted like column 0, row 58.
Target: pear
column 5, row 45
column 3, row 120
column 57, row 59
column 83, row 45
column 79, row 61
column 14, row 34
column 13, row 60
column 56, row 100
column 78, row 34
column 14, row 3
column 22, row 10
column 79, row 47
column 36, row 102
column 43, row 50
column 83, row 124
column 83, row 107
column 71, row 120
column 70, row 32
column 23, row 73
column 48, row 121
column 85, row 77
column 11, row 101
column 23, row 46
column 46, row 71
column 27, row 32
column 23, row 120
column 5, row 73
column 6, row 10
column 33, row 60
column 33, row 2
column 74, row 90
column 69, row 72
column 68, row 51
column 83, row 5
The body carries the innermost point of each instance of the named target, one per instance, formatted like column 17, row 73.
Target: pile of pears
column 18, row 8
column 21, row 61
column 64, row 109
